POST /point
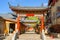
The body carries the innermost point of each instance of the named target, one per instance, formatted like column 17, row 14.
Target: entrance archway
column 31, row 23
column 30, row 11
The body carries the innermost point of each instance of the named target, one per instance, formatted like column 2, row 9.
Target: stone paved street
column 30, row 36
column 33, row 36
column 8, row 37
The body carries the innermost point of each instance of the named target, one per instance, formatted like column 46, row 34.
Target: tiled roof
column 28, row 20
column 51, row 1
column 28, row 8
column 7, row 16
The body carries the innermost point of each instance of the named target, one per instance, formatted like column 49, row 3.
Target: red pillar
column 42, row 23
column 42, row 28
column 18, row 23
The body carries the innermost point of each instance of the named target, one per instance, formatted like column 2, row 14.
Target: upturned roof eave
column 28, row 8
column 51, row 2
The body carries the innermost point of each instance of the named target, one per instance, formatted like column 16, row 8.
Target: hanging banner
column 29, row 14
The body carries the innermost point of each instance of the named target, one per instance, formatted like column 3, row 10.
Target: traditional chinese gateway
column 24, row 13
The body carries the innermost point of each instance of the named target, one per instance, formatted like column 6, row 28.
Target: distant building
column 55, row 11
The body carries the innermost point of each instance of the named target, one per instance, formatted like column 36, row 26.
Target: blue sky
column 4, row 7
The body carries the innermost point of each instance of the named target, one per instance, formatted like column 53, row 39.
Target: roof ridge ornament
column 9, row 4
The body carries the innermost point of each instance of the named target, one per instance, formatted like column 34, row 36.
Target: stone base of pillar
column 43, row 37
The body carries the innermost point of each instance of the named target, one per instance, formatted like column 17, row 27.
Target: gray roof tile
column 7, row 16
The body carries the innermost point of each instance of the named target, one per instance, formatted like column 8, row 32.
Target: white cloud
column 45, row 4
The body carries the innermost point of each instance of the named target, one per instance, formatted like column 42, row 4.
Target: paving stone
column 30, row 36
